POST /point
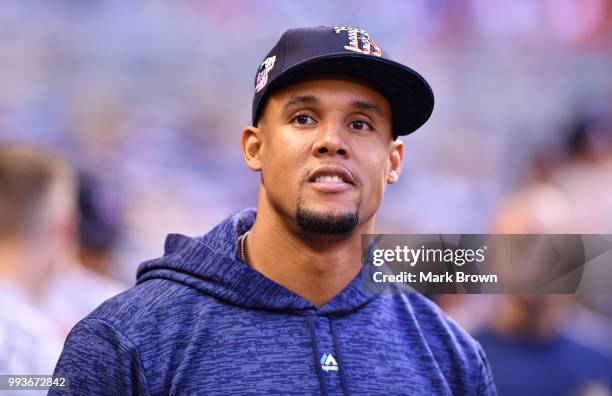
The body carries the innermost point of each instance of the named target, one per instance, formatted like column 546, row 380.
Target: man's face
column 326, row 152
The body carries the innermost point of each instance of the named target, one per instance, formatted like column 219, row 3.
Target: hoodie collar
column 209, row 264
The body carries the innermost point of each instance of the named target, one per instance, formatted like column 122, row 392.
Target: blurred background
column 133, row 111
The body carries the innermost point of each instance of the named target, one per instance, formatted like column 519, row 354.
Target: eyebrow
column 305, row 99
column 365, row 105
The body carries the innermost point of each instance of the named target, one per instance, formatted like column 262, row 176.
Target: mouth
column 331, row 178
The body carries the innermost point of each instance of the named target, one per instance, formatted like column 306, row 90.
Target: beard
column 325, row 223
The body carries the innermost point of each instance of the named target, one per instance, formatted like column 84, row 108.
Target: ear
column 396, row 161
column 251, row 145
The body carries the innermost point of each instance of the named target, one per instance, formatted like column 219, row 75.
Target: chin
column 327, row 221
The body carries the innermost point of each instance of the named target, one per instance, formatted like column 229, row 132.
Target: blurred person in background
column 585, row 174
column 99, row 225
column 528, row 352
column 581, row 170
column 36, row 225
column 82, row 280
column 45, row 290
column 585, row 177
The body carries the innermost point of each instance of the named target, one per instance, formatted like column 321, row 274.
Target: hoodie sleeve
column 486, row 384
column 99, row 360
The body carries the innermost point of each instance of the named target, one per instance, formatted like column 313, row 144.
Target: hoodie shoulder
column 452, row 346
column 98, row 359
column 145, row 305
column 436, row 323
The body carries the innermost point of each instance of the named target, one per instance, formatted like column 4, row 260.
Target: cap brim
column 410, row 96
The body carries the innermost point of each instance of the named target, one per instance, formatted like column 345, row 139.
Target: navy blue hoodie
column 199, row 321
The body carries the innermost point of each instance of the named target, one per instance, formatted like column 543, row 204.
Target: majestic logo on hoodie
column 328, row 363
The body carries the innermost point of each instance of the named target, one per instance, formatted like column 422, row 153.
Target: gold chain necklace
column 242, row 255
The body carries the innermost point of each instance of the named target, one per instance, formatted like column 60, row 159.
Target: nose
column 330, row 142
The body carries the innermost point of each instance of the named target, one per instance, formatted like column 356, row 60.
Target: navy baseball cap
column 307, row 52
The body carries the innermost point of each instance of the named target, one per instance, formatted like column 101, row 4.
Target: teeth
column 329, row 179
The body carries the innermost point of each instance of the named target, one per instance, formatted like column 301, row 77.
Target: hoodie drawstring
column 339, row 354
column 320, row 375
column 311, row 327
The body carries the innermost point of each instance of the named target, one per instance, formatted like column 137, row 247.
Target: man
column 44, row 290
column 76, row 287
column 525, row 341
column 36, row 194
column 271, row 301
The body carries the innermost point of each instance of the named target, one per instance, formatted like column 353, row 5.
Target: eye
column 360, row 125
column 303, row 119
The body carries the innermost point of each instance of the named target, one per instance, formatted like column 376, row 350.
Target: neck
column 315, row 267
column 17, row 266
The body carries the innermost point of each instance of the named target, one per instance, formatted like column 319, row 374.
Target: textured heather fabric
column 199, row 321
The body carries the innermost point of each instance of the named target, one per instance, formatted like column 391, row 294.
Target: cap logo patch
column 262, row 75
column 358, row 36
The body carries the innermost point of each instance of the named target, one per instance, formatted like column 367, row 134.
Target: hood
column 209, row 265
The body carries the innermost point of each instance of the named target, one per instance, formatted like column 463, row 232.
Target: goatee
column 325, row 223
